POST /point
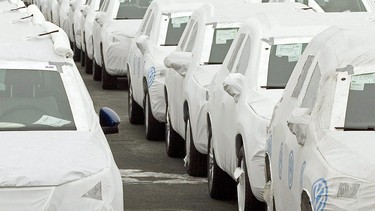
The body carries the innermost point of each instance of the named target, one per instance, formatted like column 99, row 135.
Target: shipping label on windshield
column 177, row 21
column 292, row 51
column 223, row 35
column 358, row 81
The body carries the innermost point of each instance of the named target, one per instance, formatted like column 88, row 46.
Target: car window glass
column 105, row 6
column 88, row 2
column 130, row 9
column 221, row 42
column 145, row 21
column 176, row 27
column 265, row 1
column 235, row 51
column 306, row 2
column 341, row 5
column 101, row 3
column 245, row 58
column 186, row 34
column 149, row 25
column 302, row 77
column 283, row 59
column 309, row 99
column 192, row 38
column 361, row 100
column 33, row 100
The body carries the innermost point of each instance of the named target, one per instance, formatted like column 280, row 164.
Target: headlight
column 95, row 192
column 348, row 190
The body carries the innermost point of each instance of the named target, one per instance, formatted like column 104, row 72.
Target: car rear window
column 132, row 9
column 33, row 100
column 361, row 99
column 341, row 5
column 176, row 27
column 221, row 41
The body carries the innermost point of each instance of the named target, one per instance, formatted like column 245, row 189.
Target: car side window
column 311, row 94
column 302, row 77
column 144, row 23
column 245, row 58
column 187, row 33
column 149, row 25
column 235, row 52
column 306, row 2
column 104, row 8
column 192, row 38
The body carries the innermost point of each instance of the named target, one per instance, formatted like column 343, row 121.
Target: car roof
column 22, row 43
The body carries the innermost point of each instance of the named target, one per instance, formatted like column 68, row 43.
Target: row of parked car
column 54, row 154
column 271, row 98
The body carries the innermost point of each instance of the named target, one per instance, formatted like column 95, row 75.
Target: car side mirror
column 233, row 85
column 298, row 123
column 109, row 120
column 179, row 61
column 85, row 10
column 142, row 43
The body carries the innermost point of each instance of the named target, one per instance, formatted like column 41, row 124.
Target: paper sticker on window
column 292, row 51
column 177, row 21
column 359, row 81
column 52, row 121
column 222, row 35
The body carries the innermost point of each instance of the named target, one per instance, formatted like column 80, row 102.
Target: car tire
column 134, row 110
column 195, row 162
column 77, row 53
column 154, row 129
column 88, row 64
column 108, row 81
column 220, row 184
column 96, row 71
column 83, row 57
column 174, row 142
column 246, row 199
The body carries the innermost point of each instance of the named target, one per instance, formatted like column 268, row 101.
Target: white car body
column 74, row 13
column 336, row 5
column 64, row 15
column 152, row 43
column 112, row 36
column 314, row 163
column 77, row 27
column 43, row 165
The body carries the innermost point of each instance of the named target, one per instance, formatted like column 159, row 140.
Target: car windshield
column 33, row 100
column 361, row 99
column 132, row 9
column 221, row 41
column 283, row 59
column 341, row 5
column 176, row 26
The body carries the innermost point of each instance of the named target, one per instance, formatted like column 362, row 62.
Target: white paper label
column 292, row 51
column 359, row 81
column 177, row 21
column 222, row 35
column 52, row 121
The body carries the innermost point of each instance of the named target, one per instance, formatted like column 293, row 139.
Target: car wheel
column 83, row 57
column 88, row 64
column 77, row 53
column 154, row 128
column 246, row 199
column 108, row 81
column 174, row 143
column 195, row 162
column 96, row 71
column 134, row 110
column 220, row 184
column 305, row 202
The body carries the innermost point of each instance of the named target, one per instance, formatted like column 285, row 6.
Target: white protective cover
column 54, row 170
column 245, row 108
column 64, row 15
column 77, row 22
column 369, row 4
column 333, row 167
column 88, row 27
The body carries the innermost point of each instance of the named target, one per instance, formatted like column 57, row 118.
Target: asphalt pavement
column 151, row 179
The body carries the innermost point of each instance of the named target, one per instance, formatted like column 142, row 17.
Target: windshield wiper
column 212, row 63
column 168, row 44
column 272, row 87
column 369, row 128
column 126, row 18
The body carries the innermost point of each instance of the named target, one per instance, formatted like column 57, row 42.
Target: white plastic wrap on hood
column 38, row 17
column 60, row 40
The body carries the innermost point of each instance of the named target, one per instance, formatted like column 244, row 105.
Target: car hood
column 263, row 102
column 350, row 152
column 49, row 158
column 127, row 28
column 205, row 74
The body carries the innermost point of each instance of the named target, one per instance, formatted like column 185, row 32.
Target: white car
column 114, row 27
column 54, row 154
column 202, row 48
column 320, row 141
column 336, row 5
column 157, row 36
column 248, row 86
column 64, row 15
column 87, row 24
column 75, row 27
